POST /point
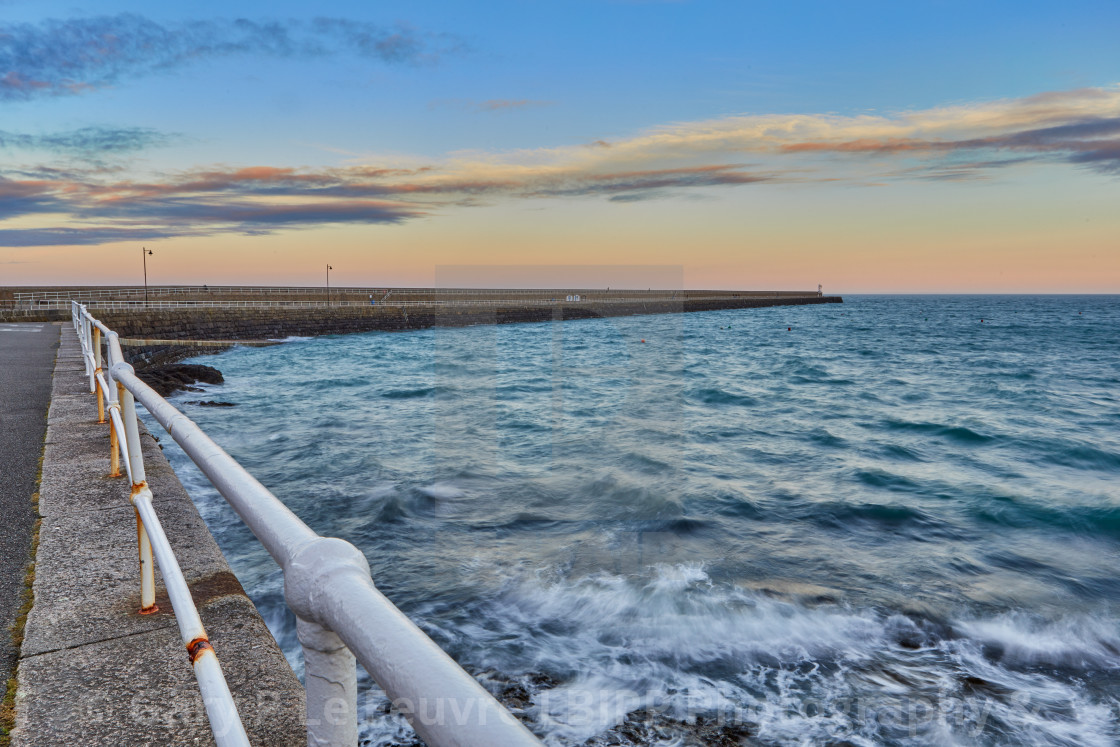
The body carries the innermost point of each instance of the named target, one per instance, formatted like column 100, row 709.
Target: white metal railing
column 585, row 300
column 172, row 290
column 24, row 298
column 340, row 613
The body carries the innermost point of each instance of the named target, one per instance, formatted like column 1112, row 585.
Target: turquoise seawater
column 881, row 522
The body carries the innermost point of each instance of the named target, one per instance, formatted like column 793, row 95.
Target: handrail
column 225, row 722
column 585, row 300
column 218, row 290
column 327, row 584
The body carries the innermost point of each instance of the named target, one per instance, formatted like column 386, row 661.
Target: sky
column 872, row 147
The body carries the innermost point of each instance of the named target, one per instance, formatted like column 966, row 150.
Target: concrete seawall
column 277, row 323
column 94, row 671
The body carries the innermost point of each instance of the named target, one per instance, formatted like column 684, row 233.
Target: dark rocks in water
column 175, row 376
column 211, row 403
column 515, row 696
column 981, row 686
column 648, row 726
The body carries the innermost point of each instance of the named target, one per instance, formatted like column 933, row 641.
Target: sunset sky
column 869, row 146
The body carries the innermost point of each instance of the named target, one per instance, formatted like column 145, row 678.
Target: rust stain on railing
column 196, row 647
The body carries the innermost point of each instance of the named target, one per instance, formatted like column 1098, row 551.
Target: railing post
column 114, row 443
column 101, row 396
column 331, row 682
column 86, row 340
column 114, row 453
column 139, row 483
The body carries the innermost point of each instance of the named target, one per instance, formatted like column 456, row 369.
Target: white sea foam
column 673, row 644
column 1019, row 639
column 443, row 492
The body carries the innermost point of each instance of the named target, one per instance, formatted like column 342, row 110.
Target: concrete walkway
column 26, row 364
column 94, row 671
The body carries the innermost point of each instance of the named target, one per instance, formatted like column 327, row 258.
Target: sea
column 892, row 521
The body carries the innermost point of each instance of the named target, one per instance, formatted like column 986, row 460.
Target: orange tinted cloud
column 1080, row 127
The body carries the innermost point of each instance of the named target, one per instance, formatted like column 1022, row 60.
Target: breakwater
column 219, row 323
column 232, row 324
column 205, row 329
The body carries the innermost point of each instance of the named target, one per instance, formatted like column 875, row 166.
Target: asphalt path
column 27, row 353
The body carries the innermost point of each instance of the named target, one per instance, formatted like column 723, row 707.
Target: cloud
column 1080, row 127
column 264, row 199
column 690, row 159
column 88, row 142
column 495, row 105
column 27, row 197
column 96, row 208
column 489, row 105
column 77, row 236
column 66, row 57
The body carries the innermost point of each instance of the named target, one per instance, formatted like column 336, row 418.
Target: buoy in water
column 789, row 329
column 643, row 340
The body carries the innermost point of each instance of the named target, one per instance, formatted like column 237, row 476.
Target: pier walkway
column 92, row 670
column 26, row 361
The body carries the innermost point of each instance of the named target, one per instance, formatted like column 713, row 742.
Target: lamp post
column 328, row 285
column 145, row 252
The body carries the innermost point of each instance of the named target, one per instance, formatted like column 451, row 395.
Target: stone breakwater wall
column 277, row 323
column 263, row 324
column 230, row 324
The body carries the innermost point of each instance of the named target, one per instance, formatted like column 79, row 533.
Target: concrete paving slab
column 91, row 601
column 161, row 704
column 93, row 670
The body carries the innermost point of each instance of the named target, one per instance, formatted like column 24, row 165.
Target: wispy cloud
column 497, row 105
column 88, row 142
column 950, row 144
column 1079, row 127
column 85, row 236
column 489, row 105
column 264, row 199
column 28, row 197
column 64, row 57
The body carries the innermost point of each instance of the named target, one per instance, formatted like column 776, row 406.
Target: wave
column 715, row 396
column 290, row 338
column 1080, row 456
column 1101, row 520
column 416, row 392
column 1026, row 641
column 958, row 433
column 656, row 655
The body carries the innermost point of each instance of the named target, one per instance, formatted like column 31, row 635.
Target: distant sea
column 893, row 521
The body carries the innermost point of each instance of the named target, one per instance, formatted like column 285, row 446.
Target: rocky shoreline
column 170, row 378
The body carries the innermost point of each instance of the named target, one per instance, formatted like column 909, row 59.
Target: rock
column 211, row 403
column 173, row 377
